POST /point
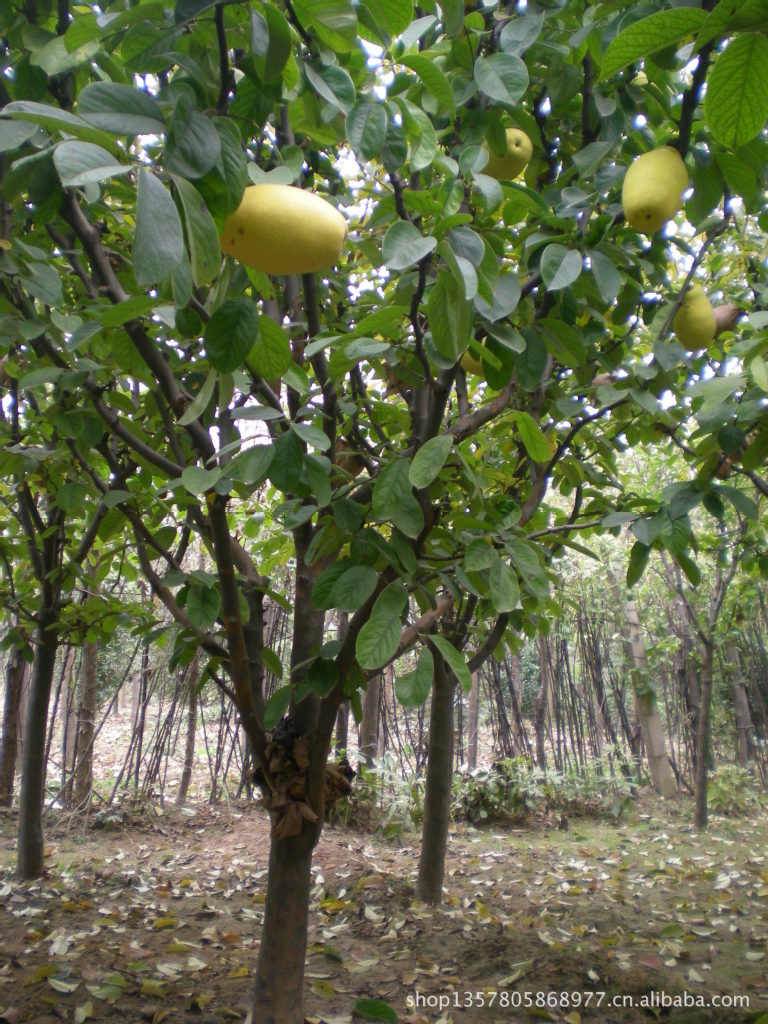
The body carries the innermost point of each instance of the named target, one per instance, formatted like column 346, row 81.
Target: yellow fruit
column 694, row 321
column 519, row 152
column 282, row 229
column 471, row 364
column 653, row 189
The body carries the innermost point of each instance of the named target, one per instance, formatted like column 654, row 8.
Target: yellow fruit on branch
column 514, row 160
column 282, row 229
column 471, row 364
column 694, row 323
column 653, row 189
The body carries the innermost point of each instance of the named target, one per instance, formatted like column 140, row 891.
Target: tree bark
column 193, row 676
column 648, row 712
column 342, row 728
column 86, row 715
column 369, row 727
column 542, row 701
column 742, row 714
column 14, row 680
column 437, row 797
column 278, row 994
column 29, row 860
column 472, row 721
column 703, row 736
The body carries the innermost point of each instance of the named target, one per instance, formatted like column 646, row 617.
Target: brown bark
column 14, row 680
column 193, row 675
column 437, row 797
column 369, row 727
column 472, row 721
column 742, row 714
column 542, row 701
column 703, row 736
column 85, row 724
column 342, row 728
column 29, row 859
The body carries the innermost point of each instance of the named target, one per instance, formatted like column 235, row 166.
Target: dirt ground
column 155, row 916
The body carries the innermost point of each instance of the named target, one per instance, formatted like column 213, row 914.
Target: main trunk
column 86, row 715
column 279, row 990
column 189, row 746
column 369, row 727
column 541, row 702
column 14, row 679
column 702, row 738
column 29, row 859
column 437, row 798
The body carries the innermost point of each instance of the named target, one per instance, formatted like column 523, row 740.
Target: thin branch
column 225, row 73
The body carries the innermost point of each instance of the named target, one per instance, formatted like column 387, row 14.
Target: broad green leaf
column 377, row 641
column 79, row 163
column 122, row 109
column 54, row 120
column 231, row 333
column 198, row 480
column 728, row 16
column 374, row 1009
column 193, row 146
column 186, row 10
column 505, row 590
column 326, row 581
column 70, row 497
column 387, row 17
column 277, row 706
column 638, row 559
column 271, row 355
column 649, row 35
column 479, row 555
column 334, row 21
column 433, row 78
column 429, row 460
column 199, row 403
column 454, row 660
column 689, row 567
column 202, row 236
column 203, row 605
column 333, row 84
column 367, row 128
column 158, row 241
column 287, row 462
column 312, row 435
column 404, row 245
column 560, row 267
column 506, row 296
column 502, row 77
column 450, row 316
column 56, row 59
column 413, row 688
column 533, row 437
column 453, row 16
column 14, row 134
column 394, row 501
column 759, row 371
column 353, row 588
column 317, row 470
column 607, row 277
column 279, row 49
column 736, row 103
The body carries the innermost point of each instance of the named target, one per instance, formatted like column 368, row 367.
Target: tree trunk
column 278, row 995
column 648, row 712
column 86, row 715
column 542, row 701
column 342, row 728
column 742, row 714
column 193, row 676
column 472, row 721
column 14, row 680
column 29, row 860
column 437, row 797
column 369, row 727
column 702, row 737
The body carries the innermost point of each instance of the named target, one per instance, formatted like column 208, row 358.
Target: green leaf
column 193, row 146
column 405, row 245
column 70, row 497
column 231, row 333
column 353, row 588
column 607, row 277
column 199, row 403
column 736, row 103
column 271, row 356
column 55, row 58
column 121, row 109
column 158, row 241
column 333, row 84
column 479, row 555
column 505, row 590
column 649, row 35
column 560, row 267
column 14, row 134
column 79, row 163
column 533, row 437
column 203, row 605
column 506, row 296
column 758, row 368
column 375, row 1009
column 388, row 17
column 450, row 316
column 334, row 21
column 276, row 706
column 377, row 641
column 312, row 435
column 279, row 49
column 740, row 501
column 638, row 559
column 433, row 78
column 202, row 236
column 503, row 77
column 454, row 660
column 393, row 499
column 198, row 480
column 689, row 567
column 54, row 120
column 413, row 688
column 728, row 16
column 366, row 128
column 429, row 460
column 287, row 462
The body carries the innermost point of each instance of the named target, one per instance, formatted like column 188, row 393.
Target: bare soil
column 155, row 916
